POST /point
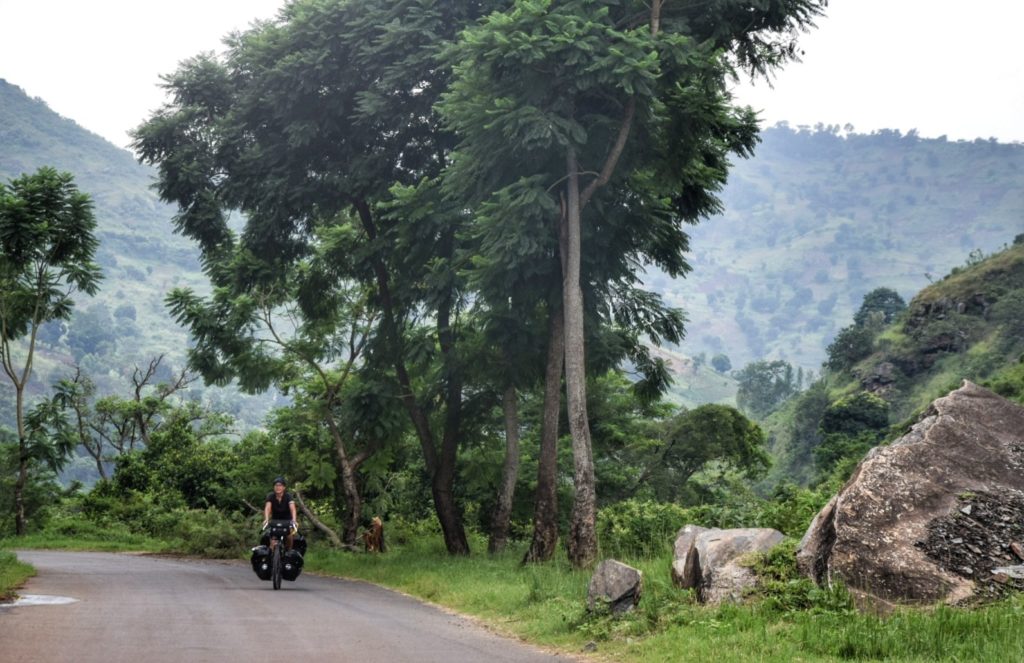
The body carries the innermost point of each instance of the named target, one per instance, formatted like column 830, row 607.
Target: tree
column 880, row 300
column 763, row 386
column 320, row 114
column 618, row 110
column 849, row 427
column 694, row 439
column 850, row 345
column 110, row 426
column 46, row 255
column 721, row 363
column 300, row 328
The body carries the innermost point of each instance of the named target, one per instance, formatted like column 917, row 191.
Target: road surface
column 145, row 609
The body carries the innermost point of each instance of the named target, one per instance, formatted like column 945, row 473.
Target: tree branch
column 335, row 541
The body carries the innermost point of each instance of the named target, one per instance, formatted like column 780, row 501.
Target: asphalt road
column 144, row 609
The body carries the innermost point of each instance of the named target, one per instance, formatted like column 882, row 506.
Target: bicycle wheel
column 275, row 565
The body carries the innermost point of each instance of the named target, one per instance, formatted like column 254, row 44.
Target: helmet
column 280, row 480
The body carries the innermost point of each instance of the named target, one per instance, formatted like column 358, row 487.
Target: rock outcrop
column 616, row 586
column 904, row 529
column 710, row 560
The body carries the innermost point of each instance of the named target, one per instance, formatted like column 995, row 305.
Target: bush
column 782, row 588
column 211, row 533
column 639, row 528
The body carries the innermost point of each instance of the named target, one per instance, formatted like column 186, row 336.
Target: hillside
column 967, row 325
column 126, row 324
column 820, row 217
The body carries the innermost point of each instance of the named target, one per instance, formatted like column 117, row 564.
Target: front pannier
column 261, row 562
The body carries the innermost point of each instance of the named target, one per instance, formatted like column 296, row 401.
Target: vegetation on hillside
column 893, row 360
column 862, row 211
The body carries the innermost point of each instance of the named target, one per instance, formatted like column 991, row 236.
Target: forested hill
column 126, row 324
column 820, row 217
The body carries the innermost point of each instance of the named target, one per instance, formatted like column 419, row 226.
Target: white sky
column 939, row 66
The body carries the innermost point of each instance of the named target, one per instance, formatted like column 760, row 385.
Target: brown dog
column 373, row 538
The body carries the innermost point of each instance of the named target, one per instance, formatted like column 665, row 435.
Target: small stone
column 957, row 541
column 968, row 570
column 1001, row 578
column 966, row 510
column 1017, row 549
column 974, row 549
column 590, row 647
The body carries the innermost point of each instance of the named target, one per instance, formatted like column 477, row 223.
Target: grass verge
column 12, row 574
column 792, row 621
column 121, row 542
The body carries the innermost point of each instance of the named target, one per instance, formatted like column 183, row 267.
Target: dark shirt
column 279, row 510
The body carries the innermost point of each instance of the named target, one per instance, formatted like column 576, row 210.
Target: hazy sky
column 939, row 66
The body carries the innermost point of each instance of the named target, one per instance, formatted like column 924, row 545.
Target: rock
column 616, row 586
column 889, row 533
column 1015, row 572
column 880, row 379
column 718, row 553
column 685, row 572
column 1017, row 549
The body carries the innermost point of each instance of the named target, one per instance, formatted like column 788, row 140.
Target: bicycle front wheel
column 275, row 566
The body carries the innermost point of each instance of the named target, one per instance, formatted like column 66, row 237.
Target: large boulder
column 685, row 570
column 931, row 516
column 616, row 586
column 711, row 560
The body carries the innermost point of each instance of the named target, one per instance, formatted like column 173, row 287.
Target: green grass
column 795, row 622
column 12, row 574
column 117, row 541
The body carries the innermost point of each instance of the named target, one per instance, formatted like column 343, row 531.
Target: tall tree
column 616, row 109
column 46, row 255
column 319, row 113
column 304, row 329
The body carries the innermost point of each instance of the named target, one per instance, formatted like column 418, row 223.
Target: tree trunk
column 545, row 510
column 19, row 484
column 582, row 542
column 353, row 505
column 441, row 467
column 509, row 474
column 442, row 485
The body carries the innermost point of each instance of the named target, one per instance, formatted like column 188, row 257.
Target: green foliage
column 880, row 300
column 211, row 533
column 40, row 491
column 854, row 414
column 763, row 386
column 638, row 528
column 783, row 588
column 12, row 574
column 850, row 345
column 713, row 438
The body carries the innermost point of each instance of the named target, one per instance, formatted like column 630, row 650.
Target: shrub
column 782, row 588
column 211, row 533
column 639, row 528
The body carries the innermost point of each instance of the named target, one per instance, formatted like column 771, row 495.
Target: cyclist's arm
column 295, row 515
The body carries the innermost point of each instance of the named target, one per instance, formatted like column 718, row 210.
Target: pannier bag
column 292, row 564
column 293, row 560
column 261, row 562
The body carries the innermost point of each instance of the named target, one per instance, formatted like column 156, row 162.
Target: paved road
column 134, row 609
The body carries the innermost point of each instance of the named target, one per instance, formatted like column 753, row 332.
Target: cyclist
column 281, row 506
